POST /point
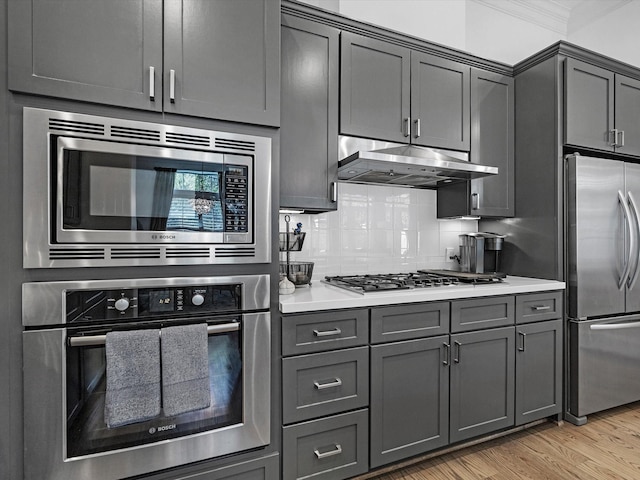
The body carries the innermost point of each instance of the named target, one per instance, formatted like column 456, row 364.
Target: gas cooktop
column 407, row 281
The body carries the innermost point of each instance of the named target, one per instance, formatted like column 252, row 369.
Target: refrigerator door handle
column 634, row 259
column 614, row 326
column 627, row 261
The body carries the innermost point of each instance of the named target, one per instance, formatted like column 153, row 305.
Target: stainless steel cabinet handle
column 152, row 84
column 634, row 240
column 447, row 354
column 417, row 128
column 614, row 326
column 406, row 124
column 456, row 358
column 620, row 143
column 334, row 192
column 522, row 345
column 327, row 333
column 172, row 86
column 337, row 450
column 627, row 260
column 475, row 201
column 539, row 308
column 332, row 384
column 613, row 137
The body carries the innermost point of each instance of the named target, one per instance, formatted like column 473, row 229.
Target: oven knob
column 197, row 299
column 122, row 304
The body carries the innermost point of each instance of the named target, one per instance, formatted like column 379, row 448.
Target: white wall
column 616, row 34
column 377, row 229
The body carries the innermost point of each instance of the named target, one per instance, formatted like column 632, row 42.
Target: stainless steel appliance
column 480, row 252
column 102, row 191
column 374, row 161
column 421, row 279
column 602, row 271
column 66, row 374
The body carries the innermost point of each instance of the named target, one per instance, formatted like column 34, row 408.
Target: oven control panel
column 144, row 303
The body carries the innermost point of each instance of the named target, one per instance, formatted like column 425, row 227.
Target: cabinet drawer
column 324, row 383
column 409, row 321
column 265, row 468
column 315, row 332
column 329, row 448
column 536, row 307
column 479, row 313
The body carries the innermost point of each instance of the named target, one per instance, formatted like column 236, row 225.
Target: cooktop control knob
column 122, row 304
column 197, row 299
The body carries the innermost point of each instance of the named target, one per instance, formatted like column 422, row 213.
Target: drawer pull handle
column 334, row 383
column 336, row 451
column 327, row 333
column 539, row 308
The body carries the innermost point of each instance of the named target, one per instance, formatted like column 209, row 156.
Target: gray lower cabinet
column 482, row 382
column 538, row 370
column 309, row 115
column 207, row 58
column 263, row 468
column 479, row 313
column 330, row 448
column 409, row 399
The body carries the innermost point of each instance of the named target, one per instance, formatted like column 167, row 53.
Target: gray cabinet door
column 589, row 105
column 374, row 88
column 482, row 382
column 264, row 468
column 309, row 115
column 221, row 59
column 492, row 143
column 538, row 371
column 628, row 114
column 439, row 102
column 409, row 398
column 103, row 51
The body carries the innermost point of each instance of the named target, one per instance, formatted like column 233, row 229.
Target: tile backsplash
column 377, row 229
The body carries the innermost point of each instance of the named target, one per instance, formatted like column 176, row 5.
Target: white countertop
column 321, row 296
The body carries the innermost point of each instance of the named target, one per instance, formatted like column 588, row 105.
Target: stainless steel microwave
column 101, row 191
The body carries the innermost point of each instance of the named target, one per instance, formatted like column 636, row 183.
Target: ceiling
column 561, row 16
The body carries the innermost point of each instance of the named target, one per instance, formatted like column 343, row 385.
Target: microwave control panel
column 236, row 198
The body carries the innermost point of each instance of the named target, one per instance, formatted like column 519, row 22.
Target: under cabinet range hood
column 372, row 161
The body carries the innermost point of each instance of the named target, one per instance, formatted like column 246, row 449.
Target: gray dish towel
column 185, row 369
column 133, row 377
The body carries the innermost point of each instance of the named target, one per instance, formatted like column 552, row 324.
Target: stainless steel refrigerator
column 602, row 258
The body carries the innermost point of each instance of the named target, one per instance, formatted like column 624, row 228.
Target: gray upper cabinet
column 439, row 102
column 388, row 92
column 492, row 143
column 99, row 51
column 374, row 88
column 225, row 59
column 309, row 115
column 207, row 58
column 602, row 109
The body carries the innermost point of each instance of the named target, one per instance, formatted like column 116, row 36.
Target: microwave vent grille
column 240, row 145
column 185, row 139
column 135, row 133
column 186, row 252
column 235, row 252
column 74, row 126
column 76, row 253
column 135, row 253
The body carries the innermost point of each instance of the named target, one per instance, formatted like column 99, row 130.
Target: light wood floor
column 606, row 448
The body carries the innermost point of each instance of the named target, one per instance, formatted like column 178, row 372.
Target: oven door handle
column 93, row 340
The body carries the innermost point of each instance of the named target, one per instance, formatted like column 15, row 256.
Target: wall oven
column 102, row 191
column 127, row 377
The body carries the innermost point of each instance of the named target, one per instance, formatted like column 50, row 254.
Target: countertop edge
column 323, row 297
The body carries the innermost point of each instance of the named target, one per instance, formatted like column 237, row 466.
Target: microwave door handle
column 634, row 241
column 627, row 260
